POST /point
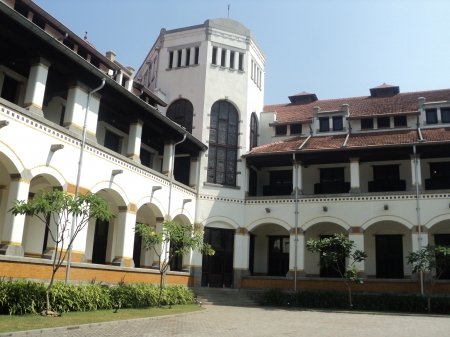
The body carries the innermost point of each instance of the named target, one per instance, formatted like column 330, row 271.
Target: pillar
column 194, row 172
column 354, row 176
column 357, row 236
column 413, row 173
column 134, row 140
column 240, row 255
column 34, row 96
column 76, row 110
column 125, row 238
column 13, row 226
column 418, row 242
column 297, row 174
column 247, row 180
column 3, row 206
column 300, row 253
column 158, row 249
column 167, row 168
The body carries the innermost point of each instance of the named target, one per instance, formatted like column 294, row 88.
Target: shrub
column 27, row 297
column 361, row 301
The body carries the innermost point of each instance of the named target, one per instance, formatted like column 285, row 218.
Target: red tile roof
column 383, row 138
column 290, row 144
column 358, row 106
column 436, row 135
column 325, row 142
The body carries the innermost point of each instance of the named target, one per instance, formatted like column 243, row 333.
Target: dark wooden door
column 332, row 271
column 176, row 263
column 278, row 255
column 389, row 256
column 100, row 242
column 137, row 249
column 443, row 240
column 217, row 270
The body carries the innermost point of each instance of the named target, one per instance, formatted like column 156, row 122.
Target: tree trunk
column 429, row 304
column 160, row 288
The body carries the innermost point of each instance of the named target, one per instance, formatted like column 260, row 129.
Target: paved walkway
column 263, row 321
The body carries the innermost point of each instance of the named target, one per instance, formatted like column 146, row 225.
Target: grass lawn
column 31, row 322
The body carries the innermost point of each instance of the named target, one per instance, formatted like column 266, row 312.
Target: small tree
column 178, row 237
column 334, row 251
column 433, row 261
column 61, row 208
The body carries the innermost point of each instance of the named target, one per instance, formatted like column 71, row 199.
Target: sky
column 332, row 48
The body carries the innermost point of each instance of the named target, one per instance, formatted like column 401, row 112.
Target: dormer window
column 296, row 129
column 367, row 123
column 303, row 97
column 445, row 115
column 399, row 121
column 280, row 130
column 338, row 124
column 324, row 124
column 385, row 90
column 383, row 122
column 431, row 116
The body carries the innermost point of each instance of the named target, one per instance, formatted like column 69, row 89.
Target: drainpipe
column 80, row 165
column 296, row 222
column 418, row 213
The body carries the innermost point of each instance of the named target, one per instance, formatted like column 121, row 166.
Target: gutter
column 97, row 73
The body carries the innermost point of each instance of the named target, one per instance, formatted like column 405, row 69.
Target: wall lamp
column 56, row 147
column 325, row 208
column 267, row 210
column 116, row 172
column 155, row 188
column 386, row 207
column 185, row 201
column 3, row 123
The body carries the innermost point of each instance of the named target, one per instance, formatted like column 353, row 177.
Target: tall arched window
column 253, row 131
column 181, row 111
column 223, row 136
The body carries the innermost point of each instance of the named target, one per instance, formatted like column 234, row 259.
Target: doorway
column 100, row 242
column 389, row 256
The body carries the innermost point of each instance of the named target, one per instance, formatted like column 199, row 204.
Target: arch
column 10, row 160
column 183, row 213
column 392, row 218
column 219, row 218
column 54, row 177
column 436, row 220
column 253, row 131
column 223, row 143
column 182, row 218
column 181, row 111
column 322, row 219
column 114, row 190
column 268, row 221
column 153, row 203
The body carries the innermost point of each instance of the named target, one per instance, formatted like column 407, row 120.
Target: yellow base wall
column 369, row 286
column 88, row 273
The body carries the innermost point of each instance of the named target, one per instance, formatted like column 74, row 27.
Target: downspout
column 418, row 130
column 80, row 165
column 296, row 222
column 64, row 37
column 348, row 135
column 418, row 213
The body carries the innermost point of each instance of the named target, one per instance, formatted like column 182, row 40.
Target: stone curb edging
column 92, row 325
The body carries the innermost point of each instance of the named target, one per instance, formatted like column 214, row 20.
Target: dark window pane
column 223, row 58
column 171, row 59
column 188, row 56
column 324, row 124
column 145, row 157
column 214, row 55
column 383, row 122
column 445, row 115
column 399, row 120
column 334, row 174
column 431, row 116
column 253, row 131
column 112, row 141
column 338, row 124
column 367, row 123
column 181, row 111
column 386, row 172
column 232, row 60
column 280, row 130
column 241, row 61
column 10, row 89
column 179, row 58
column 197, row 50
column 296, row 129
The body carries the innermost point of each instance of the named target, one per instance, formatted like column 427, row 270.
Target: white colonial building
column 261, row 179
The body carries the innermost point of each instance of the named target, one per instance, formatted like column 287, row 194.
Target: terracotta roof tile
column 324, row 142
column 436, row 135
column 358, row 106
column 287, row 145
column 383, row 138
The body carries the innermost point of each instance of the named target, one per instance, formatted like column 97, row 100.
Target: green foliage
column 361, row 301
column 179, row 238
column 27, row 297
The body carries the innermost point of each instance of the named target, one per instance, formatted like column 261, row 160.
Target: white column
column 134, row 140
column 11, row 243
column 76, row 110
column 167, row 158
column 3, row 205
column 158, row 248
column 413, row 173
column 34, row 96
column 240, row 255
column 125, row 238
column 300, row 253
column 415, row 238
column 247, row 180
column 194, row 172
column 354, row 176
column 119, row 77
column 358, row 239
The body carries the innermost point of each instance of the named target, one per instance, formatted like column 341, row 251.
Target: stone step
column 223, row 296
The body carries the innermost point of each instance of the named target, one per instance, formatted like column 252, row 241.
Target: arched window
column 223, row 136
column 253, row 131
column 181, row 111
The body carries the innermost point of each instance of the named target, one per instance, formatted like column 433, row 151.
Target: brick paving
column 263, row 321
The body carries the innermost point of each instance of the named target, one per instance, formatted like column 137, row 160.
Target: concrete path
column 263, row 321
